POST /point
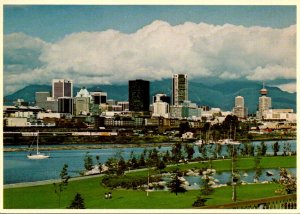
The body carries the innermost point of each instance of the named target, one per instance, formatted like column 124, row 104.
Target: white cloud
column 289, row 87
column 155, row 52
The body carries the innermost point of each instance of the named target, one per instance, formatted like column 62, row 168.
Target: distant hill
column 220, row 95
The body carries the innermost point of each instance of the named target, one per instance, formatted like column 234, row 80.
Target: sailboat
column 38, row 155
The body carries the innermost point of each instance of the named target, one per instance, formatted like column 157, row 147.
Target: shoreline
column 79, row 146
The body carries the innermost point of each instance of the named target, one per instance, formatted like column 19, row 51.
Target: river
column 18, row 169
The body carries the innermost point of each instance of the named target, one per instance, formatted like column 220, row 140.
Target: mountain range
column 219, row 95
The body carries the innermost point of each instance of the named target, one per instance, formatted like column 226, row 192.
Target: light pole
column 233, row 178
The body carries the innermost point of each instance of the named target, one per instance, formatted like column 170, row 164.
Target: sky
column 100, row 44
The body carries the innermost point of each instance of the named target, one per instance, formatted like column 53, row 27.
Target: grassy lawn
column 43, row 197
column 243, row 163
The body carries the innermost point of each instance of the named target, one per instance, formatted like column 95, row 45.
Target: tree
column 287, row 181
column 257, row 168
column 142, row 160
column 98, row 163
column 160, row 165
column 176, row 185
column 176, row 152
column 189, row 149
column 276, row 148
column 77, row 203
column 121, row 166
column 286, row 148
column 208, row 181
column 263, row 148
column 88, row 161
column 62, row 185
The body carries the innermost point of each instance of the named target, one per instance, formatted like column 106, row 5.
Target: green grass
column 243, row 163
column 43, row 196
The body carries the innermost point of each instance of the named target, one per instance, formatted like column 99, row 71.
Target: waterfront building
column 239, row 109
column 65, row 105
column 179, row 89
column 139, row 95
column 62, row 88
column 264, row 103
column 280, row 115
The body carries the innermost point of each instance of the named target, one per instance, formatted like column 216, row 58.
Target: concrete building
column 190, row 110
column 62, row 88
column 163, row 98
column 15, row 122
column 176, row 111
column 41, row 99
column 51, row 104
column 124, row 105
column 139, row 95
column 81, row 106
column 179, row 89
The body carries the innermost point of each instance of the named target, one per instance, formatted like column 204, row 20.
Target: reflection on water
column 17, row 168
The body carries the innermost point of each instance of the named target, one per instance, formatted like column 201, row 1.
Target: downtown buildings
column 95, row 109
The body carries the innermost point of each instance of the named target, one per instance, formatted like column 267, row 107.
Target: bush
column 199, row 202
column 128, row 182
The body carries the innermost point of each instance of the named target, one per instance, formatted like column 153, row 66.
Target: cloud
column 289, row 87
column 154, row 52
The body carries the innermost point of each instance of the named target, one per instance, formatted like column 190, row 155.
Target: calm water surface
column 17, row 168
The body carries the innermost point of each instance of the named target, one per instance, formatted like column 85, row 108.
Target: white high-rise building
column 179, row 88
column 62, row 88
column 264, row 103
column 239, row 109
column 160, row 108
column 82, row 102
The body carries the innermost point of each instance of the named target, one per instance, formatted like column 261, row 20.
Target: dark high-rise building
column 65, row 105
column 139, row 95
column 62, row 88
column 180, row 89
column 99, row 97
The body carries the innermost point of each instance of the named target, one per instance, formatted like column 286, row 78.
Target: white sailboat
column 38, row 155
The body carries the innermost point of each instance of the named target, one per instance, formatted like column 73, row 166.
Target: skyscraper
column 62, row 88
column 180, row 89
column 139, row 95
column 264, row 103
column 239, row 109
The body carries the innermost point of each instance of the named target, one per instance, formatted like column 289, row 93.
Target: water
column 17, row 168
column 246, row 176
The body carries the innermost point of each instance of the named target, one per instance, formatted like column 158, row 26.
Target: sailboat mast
column 37, row 143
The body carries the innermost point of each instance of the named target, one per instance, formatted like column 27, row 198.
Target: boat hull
column 39, row 156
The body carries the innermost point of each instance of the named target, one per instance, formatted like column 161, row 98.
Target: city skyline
column 228, row 42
